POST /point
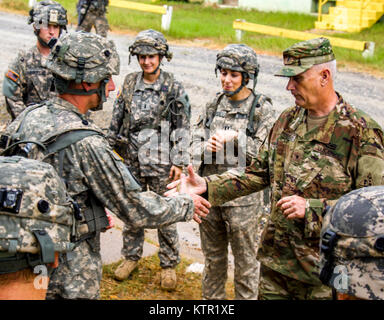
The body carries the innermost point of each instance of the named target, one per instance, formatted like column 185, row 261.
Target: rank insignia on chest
column 12, row 75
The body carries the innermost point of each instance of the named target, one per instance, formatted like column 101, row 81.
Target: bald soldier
column 317, row 150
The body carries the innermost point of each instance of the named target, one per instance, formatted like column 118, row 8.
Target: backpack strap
column 258, row 101
column 66, row 139
column 131, row 80
column 211, row 110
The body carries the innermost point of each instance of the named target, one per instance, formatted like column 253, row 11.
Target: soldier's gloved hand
column 217, row 141
column 293, row 206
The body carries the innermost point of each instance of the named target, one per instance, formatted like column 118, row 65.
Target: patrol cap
column 357, row 255
column 303, row 55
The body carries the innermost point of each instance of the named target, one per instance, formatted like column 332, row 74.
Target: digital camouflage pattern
column 94, row 17
column 42, row 203
column 28, row 81
column 321, row 165
column 238, row 57
column 239, row 227
column 91, row 167
column 150, row 42
column 303, row 55
column 48, row 12
column 78, row 276
column 238, row 222
column 133, row 238
column 84, row 57
column 358, row 220
column 140, row 114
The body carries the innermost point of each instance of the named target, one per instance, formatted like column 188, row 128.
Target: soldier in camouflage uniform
column 352, row 245
column 28, row 81
column 92, row 14
column 236, row 110
column 83, row 65
column 151, row 104
column 317, row 151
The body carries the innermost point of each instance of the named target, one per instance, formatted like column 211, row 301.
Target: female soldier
column 150, row 104
column 237, row 117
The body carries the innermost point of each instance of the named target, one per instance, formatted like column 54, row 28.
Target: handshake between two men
column 293, row 207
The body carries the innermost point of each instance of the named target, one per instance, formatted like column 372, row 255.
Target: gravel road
column 194, row 67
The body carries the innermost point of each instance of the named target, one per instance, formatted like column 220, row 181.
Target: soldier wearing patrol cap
column 96, row 178
column 352, row 245
column 27, row 80
column 150, row 104
column 237, row 110
column 317, row 151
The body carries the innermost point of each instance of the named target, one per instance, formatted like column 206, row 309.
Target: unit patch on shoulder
column 12, row 75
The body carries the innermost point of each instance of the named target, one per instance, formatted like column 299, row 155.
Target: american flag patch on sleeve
column 12, row 75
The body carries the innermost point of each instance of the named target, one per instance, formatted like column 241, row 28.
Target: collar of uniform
column 243, row 107
column 37, row 56
column 325, row 135
column 156, row 86
column 57, row 101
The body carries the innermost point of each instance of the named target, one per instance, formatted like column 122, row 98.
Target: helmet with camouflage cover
column 150, row 42
column 48, row 12
column 352, row 244
column 36, row 214
column 83, row 57
column 241, row 58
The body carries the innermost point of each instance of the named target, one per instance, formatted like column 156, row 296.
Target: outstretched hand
column 193, row 185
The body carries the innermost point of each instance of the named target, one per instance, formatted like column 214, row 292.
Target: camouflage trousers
column 98, row 21
column 237, row 226
column 133, row 238
column 276, row 286
column 78, row 275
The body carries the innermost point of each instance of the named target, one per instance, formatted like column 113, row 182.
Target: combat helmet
column 45, row 13
column 150, row 42
column 241, row 58
column 352, row 244
column 48, row 12
column 83, row 57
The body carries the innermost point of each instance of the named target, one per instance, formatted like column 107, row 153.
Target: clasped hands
column 193, row 185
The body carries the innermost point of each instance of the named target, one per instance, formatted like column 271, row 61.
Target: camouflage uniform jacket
column 27, row 81
column 90, row 166
column 321, row 165
column 141, row 106
column 225, row 116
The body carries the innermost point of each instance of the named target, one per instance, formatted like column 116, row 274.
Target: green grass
column 195, row 21
column 144, row 283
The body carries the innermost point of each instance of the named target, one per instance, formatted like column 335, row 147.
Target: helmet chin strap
column 158, row 67
column 62, row 87
column 50, row 44
column 243, row 84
